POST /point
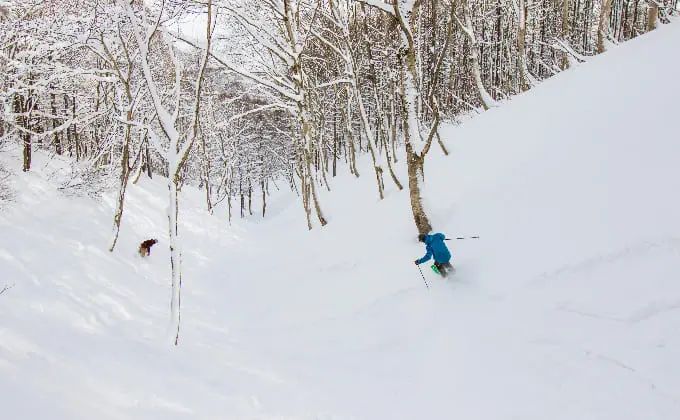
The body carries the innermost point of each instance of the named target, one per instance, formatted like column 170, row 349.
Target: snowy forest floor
column 567, row 307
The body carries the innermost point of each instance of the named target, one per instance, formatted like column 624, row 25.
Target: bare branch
column 6, row 288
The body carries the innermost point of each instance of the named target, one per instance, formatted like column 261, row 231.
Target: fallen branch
column 6, row 288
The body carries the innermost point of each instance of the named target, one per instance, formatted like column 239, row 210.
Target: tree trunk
column 393, row 125
column 369, row 135
column 350, row 136
column 148, row 162
column 138, row 164
column 441, row 144
column 304, row 186
column 414, row 162
column 76, row 137
column 486, row 99
column 55, row 124
column 264, row 198
column 381, row 127
column 633, row 25
column 389, row 167
column 587, row 6
column 67, row 132
column 27, row 151
column 324, row 177
column 312, row 188
column 498, row 65
column 206, row 175
column 415, row 175
column 229, row 194
column 335, row 146
column 175, row 253
column 250, row 200
column 565, row 32
column 525, row 77
column 124, row 177
column 603, row 26
column 625, row 24
column 243, row 201
column 652, row 16
column 22, row 121
column 304, row 118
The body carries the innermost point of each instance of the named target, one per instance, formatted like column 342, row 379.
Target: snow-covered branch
column 378, row 4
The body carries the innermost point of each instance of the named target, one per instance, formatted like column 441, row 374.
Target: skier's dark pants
column 444, row 268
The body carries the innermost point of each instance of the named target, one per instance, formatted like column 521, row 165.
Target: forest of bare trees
column 260, row 91
column 279, row 88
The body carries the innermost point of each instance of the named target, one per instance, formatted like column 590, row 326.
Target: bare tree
column 340, row 18
column 116, row 50
column 405, row 14
column 300, row 85
column 179, row 143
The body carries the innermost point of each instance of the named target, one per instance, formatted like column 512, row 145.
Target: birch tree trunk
column 206, row 175
column 527, row 80
column 124, row 178
column 603, row 26
column 487, row 101
column 565, row 32
column 409, row 95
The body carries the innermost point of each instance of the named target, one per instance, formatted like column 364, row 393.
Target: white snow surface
column 567, row 307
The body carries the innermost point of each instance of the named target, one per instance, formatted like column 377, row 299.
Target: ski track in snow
column 637, row 250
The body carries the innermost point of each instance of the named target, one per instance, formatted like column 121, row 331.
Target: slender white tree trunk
column 527, row 80
column 487, row 101
column 175, row 255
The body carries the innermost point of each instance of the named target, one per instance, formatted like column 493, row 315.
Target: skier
column 435, row 247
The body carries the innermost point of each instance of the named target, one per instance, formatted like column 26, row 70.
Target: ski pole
column 423, row 276
column 463, row 237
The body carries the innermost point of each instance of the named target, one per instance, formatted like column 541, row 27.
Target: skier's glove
column 415, row 262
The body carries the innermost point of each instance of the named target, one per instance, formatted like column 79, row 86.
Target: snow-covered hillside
column 567, row 307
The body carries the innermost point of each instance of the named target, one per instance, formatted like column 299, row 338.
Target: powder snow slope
column 567, row 307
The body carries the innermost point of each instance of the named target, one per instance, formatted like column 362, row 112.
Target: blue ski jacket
column 435, row 247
